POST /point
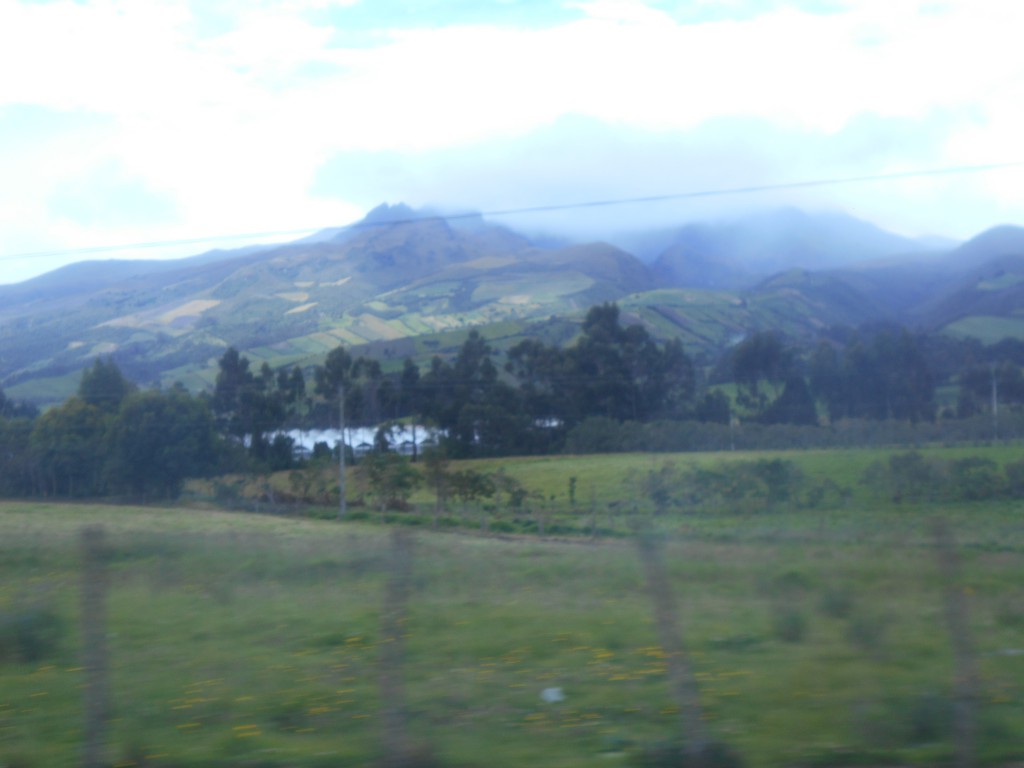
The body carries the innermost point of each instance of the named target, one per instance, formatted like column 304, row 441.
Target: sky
column 147, row 121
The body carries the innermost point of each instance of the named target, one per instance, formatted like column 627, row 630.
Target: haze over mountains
column 407, row 283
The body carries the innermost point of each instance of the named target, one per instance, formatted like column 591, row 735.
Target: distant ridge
column 733, row 254
column 411, row 282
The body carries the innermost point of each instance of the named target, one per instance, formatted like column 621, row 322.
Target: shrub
column 974, row 479
column 914, row 478
column 29, row 634
column 1014, row 472
column 595, row 434
column 867, row 632
column 929, row 717
column 742, row 486
column 836, row 602
column 1009, row 611
column 789, row 625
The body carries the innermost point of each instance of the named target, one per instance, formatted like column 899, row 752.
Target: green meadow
column 818, row 636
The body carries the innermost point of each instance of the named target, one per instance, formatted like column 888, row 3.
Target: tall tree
column 794, row 406
column 826, row 374
column 887, row 377
column 233, row 379
column 246, row 405
column 761, row 364
column 159, row 439
column 410, row 395
column 11, row 409
column 67, row 442
column 611, row 371
column 17, row 465
column 368, row 397
column 102, row 385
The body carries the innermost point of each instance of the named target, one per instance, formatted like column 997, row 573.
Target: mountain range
column 410, row 283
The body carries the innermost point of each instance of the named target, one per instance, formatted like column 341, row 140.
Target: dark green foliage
column 790, row 584
column 794, row 406
column 370, row 396
column 826, row 379
column 622, row 373
column 436, row 474
column 905, row 477
column 611, row 372
column 974, row 479
column 103, row 386
column 157, row 440
column 29, row 633
column 613, row 389
column 660, row 487
column 734, row 486
column 1009, row 612
column 279, row 453
column 17, row 465
column 911, row 477
column 246, row 404
column 147, row 446
column 468, row 485
column 760, row 365
column 67, row 443
column 11, row 409
column 929, row 717
column 391, row 479
column 836, row 602
column 741, row 485
column 714, row 406
column 867, row 630
column 1014, row 472
column 980, row 384
column 789, row 624
column 599, row 434
column 334, row 373
column 252, row 407
column 478, row 413
column 507, row 490
column 887, row 377
column 905, row 721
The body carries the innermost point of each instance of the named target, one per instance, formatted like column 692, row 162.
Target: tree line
column 615, row 387
column 111, row 438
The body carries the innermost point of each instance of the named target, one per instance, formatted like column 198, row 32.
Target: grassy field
column 818, row 636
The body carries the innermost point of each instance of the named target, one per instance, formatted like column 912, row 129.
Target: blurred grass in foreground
column 243, row 640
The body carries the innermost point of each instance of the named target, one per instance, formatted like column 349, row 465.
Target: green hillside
column 412, row 285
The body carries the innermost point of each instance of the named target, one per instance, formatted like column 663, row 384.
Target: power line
column 763, row 188
column 155, row 244
column 721, row 192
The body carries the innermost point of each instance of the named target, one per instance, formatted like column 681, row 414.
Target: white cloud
column 231, row 120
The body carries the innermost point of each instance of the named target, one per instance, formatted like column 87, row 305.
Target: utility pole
column 341, row 452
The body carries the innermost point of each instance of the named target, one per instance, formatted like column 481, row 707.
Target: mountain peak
column 394, row 214
column 999, row 241
column 1002, row 234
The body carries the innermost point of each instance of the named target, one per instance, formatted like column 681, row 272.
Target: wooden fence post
column 965, row 658
column 681, row 677
column 398, row 747
column 95, row 655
